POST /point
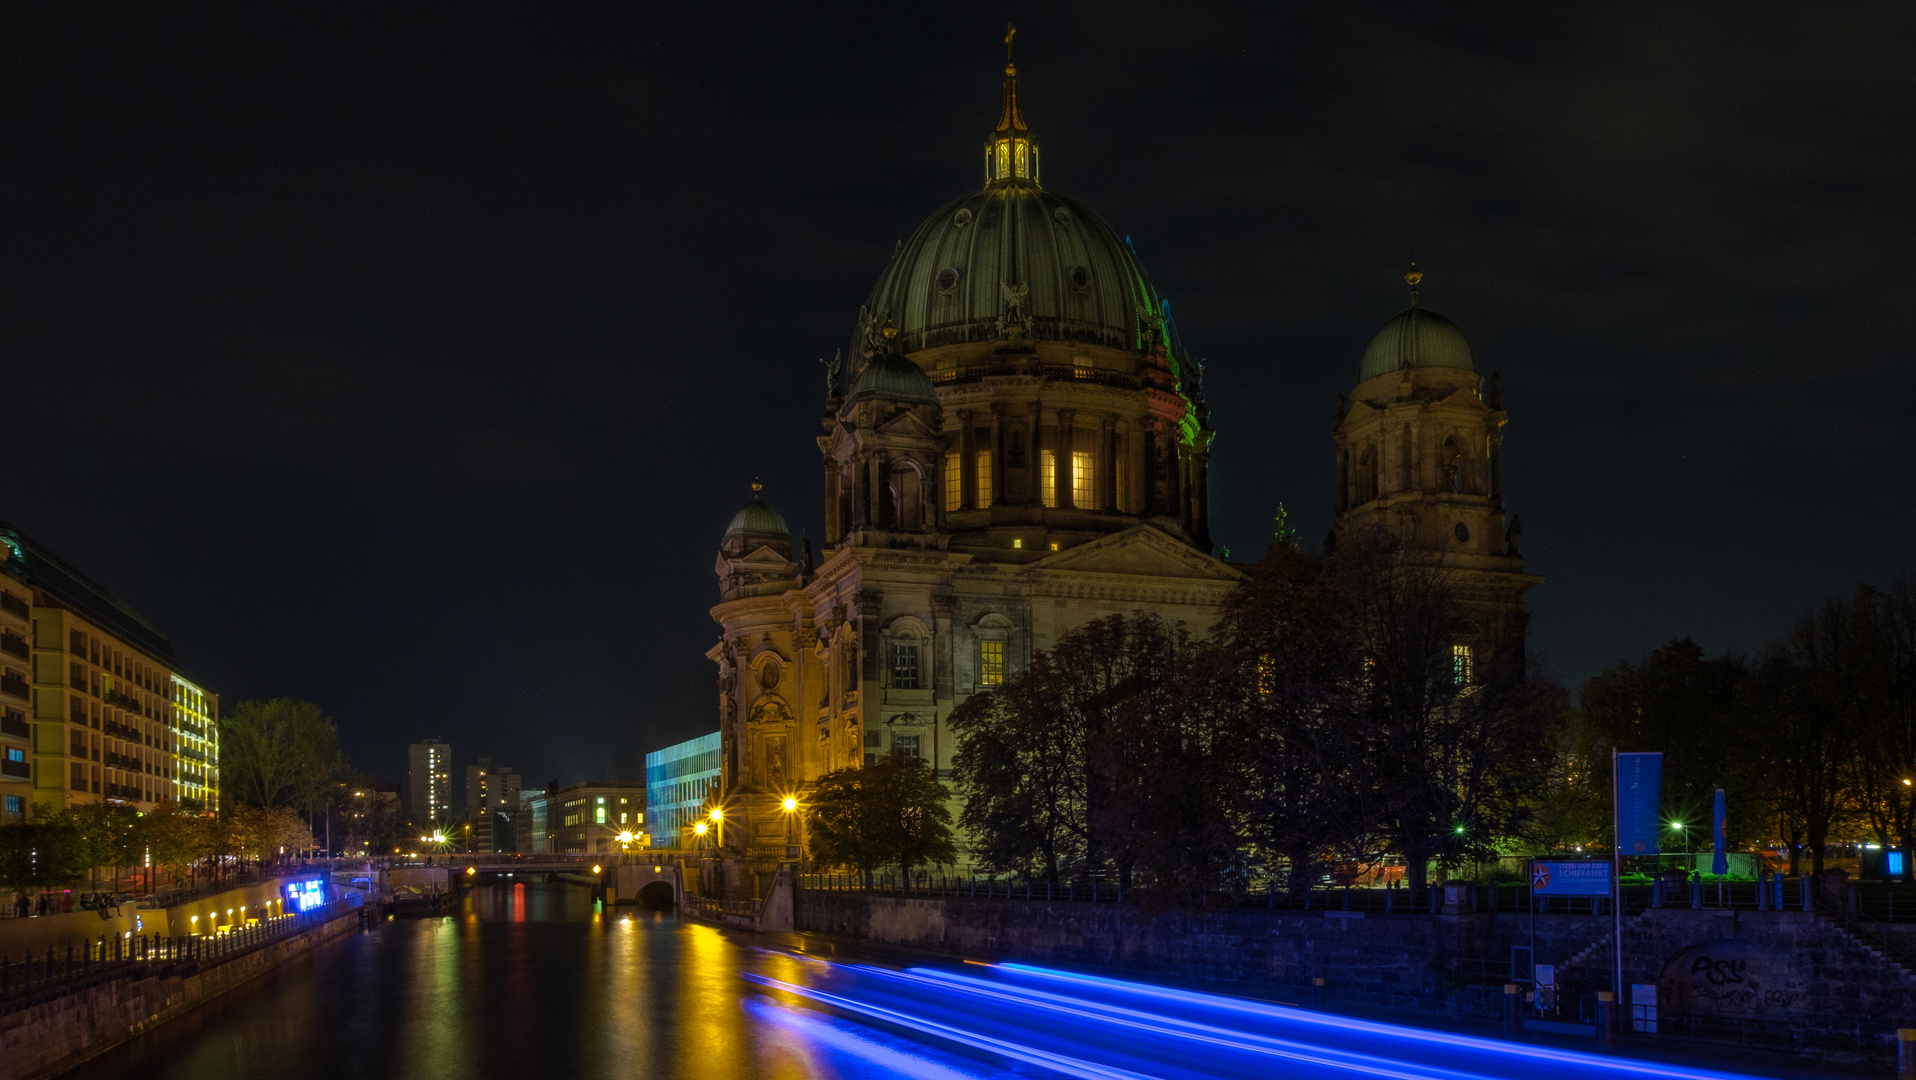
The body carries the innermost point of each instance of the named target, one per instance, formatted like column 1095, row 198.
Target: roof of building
column 1015, row 244
column 1417, row 338
column 67, row 587
column 757, row 518
column 893, row 378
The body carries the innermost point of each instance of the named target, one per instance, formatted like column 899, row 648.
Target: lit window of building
column 1461, row 672
column 1048, row 477
column 1083, row 483
column 984, row 479
column 954, row 471
column 991, row 663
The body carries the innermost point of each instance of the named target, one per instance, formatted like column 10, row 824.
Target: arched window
column 907, row 497
column 908, row 655
column 1367, row 475
column 991, row 637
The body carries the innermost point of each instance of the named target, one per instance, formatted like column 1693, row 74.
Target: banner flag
column 1639, row 802
column 1720, row 830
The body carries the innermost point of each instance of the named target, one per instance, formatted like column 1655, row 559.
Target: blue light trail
column 1100, row 1028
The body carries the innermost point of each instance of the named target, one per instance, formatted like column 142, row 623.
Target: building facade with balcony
column 105, row 689
column 16, row 699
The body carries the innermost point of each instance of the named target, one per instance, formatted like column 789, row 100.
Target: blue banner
column 1720, row 830
column 1639, row 802
column 1583, row 878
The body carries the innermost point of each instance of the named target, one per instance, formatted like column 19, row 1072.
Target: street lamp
column 718, row 819
column 792, row 841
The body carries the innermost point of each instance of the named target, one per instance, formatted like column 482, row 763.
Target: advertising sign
column 1584, row 878
column 1639, row 793
column 305, row 895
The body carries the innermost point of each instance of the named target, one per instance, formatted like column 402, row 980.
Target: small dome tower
column 755, row 556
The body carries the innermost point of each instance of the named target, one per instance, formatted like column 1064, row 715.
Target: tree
column 889, row 813
column 279, row 753
column 42, row 854
column 106, row 833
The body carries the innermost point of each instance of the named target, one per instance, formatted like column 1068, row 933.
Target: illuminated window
column 991, row 663
column 1083, row 481
column 1004, row 160
column 1460, row 665
column 1023, row 167
column 954, row 472
column 1048, row 477
column 904, row 665
column 1121, row 474
column 984, row 479
column 598, row 815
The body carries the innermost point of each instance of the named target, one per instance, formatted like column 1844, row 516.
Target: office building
column 492, row 801
column 591, row 815
column 678, row 781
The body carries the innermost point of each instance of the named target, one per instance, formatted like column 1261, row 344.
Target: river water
column 529, row 980
column 532, row 980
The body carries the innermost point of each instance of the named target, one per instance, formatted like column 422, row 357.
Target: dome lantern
column 1011, row 154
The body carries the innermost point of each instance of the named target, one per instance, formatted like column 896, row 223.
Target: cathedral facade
column 1017, row 444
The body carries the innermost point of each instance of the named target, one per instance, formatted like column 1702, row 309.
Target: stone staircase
column 1869, row 943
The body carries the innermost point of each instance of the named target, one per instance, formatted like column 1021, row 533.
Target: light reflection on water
column 529, row 979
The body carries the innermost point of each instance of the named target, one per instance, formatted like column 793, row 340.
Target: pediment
column 908, row 425
column 1141, row 551
column 763, row 559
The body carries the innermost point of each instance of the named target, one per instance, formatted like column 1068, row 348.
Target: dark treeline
column 1332, row 720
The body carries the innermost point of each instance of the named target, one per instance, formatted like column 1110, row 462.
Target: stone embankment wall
column 223, row 908
column 46, row 1039
column 1767, row 966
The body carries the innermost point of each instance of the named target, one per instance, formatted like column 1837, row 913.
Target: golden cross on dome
column 756, row 486
column 1412, row 279
column 1011, row 31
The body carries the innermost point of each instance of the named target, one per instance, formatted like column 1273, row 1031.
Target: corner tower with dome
column 1016, row 445
column 1420, row 455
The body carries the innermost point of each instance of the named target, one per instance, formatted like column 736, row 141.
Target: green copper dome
column 758, row 519
column 1014, row 252
column 894, row 378
column 1418, row 338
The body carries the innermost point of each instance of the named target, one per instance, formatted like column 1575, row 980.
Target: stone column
column 1062, row 457
column 967, row 463
column 834, row 528
column 859, row 468
column 1034, row 454
column 1134, row 440
column 1107, row 462
column 997, row 452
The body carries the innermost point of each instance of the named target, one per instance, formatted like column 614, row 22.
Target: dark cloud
column 411, row 360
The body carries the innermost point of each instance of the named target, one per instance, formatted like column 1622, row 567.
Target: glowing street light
column 791, row 804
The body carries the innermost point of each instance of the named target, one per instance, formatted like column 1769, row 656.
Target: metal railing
column 36, row 976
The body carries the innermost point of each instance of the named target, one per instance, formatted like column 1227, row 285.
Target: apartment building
column 16, row 699
column 105, row 701
column 429, row 784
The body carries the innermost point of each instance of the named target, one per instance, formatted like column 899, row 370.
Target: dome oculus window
column 948, row 279
column 962, row 218
column 1080, row 278
column 1462, row 532
column 1063, row 215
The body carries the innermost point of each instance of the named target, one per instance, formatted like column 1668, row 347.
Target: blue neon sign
column 306, row 895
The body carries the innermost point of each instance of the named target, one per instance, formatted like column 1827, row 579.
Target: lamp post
column 794, row 843
column 718, row 819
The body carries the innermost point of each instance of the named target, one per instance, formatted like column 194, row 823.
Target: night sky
column 412, row 361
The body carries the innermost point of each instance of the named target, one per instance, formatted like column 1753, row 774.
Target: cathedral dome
column 1014, row 246
column 894, row 378
column 759, row 520
column 1418, row 338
